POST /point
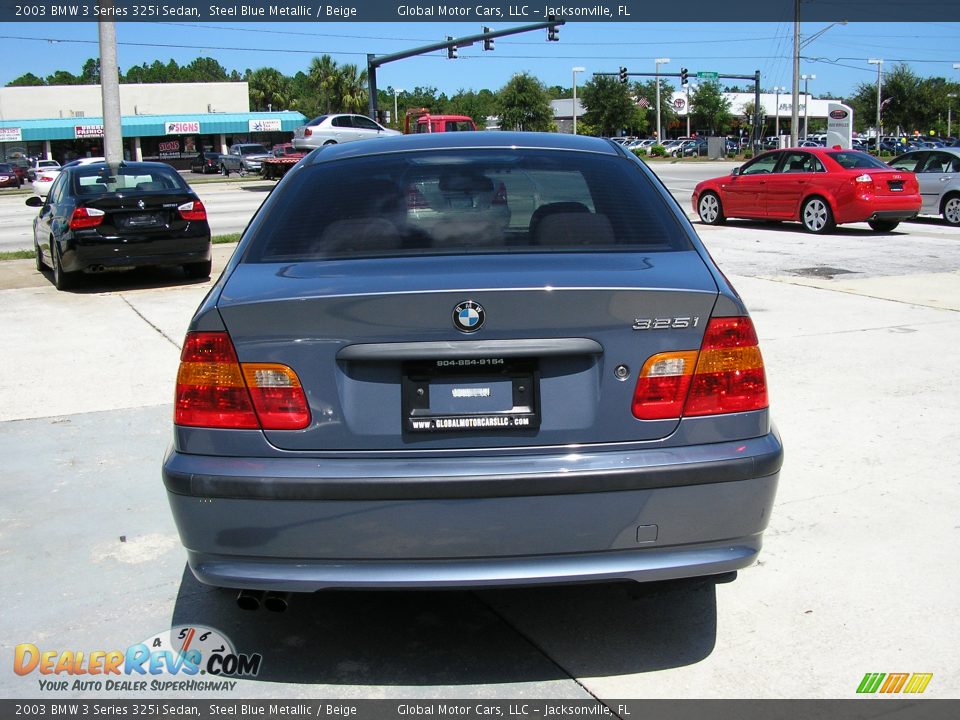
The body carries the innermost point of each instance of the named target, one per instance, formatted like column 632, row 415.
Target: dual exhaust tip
column 255, row 599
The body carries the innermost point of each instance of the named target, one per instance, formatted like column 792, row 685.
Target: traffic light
column 487, row 42
column 623, row 75
column 683, row 76
column 451, row 49
column 553, row 32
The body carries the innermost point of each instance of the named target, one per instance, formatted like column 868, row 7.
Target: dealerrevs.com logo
column 169, row 661
column 894, row 683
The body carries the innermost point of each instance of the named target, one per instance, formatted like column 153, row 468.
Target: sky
column 838, row 57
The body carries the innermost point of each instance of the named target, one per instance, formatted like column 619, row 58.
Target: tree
column 269, row 89
column 475, row 105
column 609, row 107
column 90, row 75
column 523, row 104
column 911, row 103
column 26, row 80
column 647, row 91
column 710, row 109
column 322, row 73
column 204, row 69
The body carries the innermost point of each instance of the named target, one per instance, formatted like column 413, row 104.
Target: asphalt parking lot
column 860, row 571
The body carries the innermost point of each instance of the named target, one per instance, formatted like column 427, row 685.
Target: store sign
column 87, row 131
column 839, row 126
column 264, row 125
column 11, row 134
column 170, row 149
column 180, row 127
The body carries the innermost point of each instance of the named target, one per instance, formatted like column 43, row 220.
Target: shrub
column 747, row 154
column 658, row 151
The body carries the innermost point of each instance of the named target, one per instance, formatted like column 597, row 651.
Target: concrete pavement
column 860, row 570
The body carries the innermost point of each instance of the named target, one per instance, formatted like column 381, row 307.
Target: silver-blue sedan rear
column 470, row 359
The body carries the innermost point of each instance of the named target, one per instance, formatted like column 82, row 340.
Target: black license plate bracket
column 474, row 395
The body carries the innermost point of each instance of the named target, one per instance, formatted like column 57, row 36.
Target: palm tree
column 323, row 73
column 269, row 88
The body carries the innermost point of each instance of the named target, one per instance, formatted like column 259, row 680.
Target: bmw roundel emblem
column 468, row 316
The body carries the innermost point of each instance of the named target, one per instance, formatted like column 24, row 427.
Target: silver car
column 938, row 174
column 340, row 128
column 485, row 359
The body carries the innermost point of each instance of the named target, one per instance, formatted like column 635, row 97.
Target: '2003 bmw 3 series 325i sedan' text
column 468, row 359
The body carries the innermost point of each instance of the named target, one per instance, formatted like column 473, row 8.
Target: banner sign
column 11, row 134
column 81, row 132
column 839, row 125
column 179, row 127
column 264, row 126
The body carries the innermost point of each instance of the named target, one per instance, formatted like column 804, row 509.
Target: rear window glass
column 93, row 180
column 855, row 160
column 465, row 202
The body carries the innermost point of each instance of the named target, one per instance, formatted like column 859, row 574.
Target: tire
column 330, row 142
column 951, row 209
column 710, row 210
column 883, row 225
column 40, row 266
column 224, row 171
column 62, row 280
column 817, row 217
column 199, row 270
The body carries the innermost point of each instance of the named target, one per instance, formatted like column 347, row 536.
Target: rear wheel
column 39, row 259
column 224, row 171
column 883, row 225
column 816, row 216
column 62, row 280
column 710, row 209
column 951, row 210
column 198, row 271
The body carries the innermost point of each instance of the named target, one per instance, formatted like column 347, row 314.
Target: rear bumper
column 418, row 525
column 894, row 207
column 83, row 253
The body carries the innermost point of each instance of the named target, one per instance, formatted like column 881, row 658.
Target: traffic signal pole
column 450, row 45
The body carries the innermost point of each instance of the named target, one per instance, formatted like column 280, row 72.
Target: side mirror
column 34, row 201
column 735, row 171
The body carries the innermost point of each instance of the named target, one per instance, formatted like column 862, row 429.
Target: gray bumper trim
column 763, row 458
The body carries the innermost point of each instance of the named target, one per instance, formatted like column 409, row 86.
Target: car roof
column 492, row 140
column 131, row 165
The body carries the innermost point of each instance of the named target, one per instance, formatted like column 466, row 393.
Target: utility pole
column 110, row 86
column 795, row 110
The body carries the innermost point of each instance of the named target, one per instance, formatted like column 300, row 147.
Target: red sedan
column 820, row 187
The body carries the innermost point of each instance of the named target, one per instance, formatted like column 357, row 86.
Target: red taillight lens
column 307, row 132
column 500, row 197
column 215, row 390
column 277, row 396
column 726, row 376
column 85, row 218
column 193, row 211
column 729, row 377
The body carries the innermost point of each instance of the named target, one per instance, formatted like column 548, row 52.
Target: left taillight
column 84, row 217
column 725, row 376
column 215, row 390
column 193, row 211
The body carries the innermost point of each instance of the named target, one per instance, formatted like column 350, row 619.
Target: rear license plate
column 470, row 395
column 895, row 185
column 140, row 220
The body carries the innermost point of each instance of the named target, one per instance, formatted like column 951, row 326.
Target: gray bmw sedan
column 470, row 359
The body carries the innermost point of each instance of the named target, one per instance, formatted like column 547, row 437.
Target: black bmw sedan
column 100, row 217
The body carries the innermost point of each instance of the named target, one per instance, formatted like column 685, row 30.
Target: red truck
column 420, row 120
column 285, row 156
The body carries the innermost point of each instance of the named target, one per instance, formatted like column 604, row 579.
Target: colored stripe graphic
column 918, row 683
column 895, row 682
column 871, row 682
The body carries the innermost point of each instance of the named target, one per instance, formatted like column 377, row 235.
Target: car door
column 744, row 194
column 365, row 127
column 49, row 222
column 937, row 173
column 790, row 183
column 342, row 128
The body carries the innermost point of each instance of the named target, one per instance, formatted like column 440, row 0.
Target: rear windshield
column 465, row 201
column 94, row 180
column 855, row 160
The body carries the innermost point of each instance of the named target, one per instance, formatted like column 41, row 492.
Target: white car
column 333, row 129
column 39, row 165
column 46, row 176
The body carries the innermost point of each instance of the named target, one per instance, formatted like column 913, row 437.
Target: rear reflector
column 86, row 218
column 193, row 211
column 726, row 376
column 214, row 390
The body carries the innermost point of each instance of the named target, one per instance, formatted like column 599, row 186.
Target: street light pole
column 806, row 104
column 776, row 132
column 879, row 63
column 396, row 91
column 659, row 62
column 575, row 71
column 795, row 109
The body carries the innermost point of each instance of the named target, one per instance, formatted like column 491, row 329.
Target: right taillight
column 83, row 217
column 416, row 199
column 726, row 376
column 215, row 390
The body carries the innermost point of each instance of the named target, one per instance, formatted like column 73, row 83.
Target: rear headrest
column 575, row 228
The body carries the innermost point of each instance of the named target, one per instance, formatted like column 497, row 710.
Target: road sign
column 708, row 75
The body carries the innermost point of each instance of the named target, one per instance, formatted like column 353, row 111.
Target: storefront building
column 63, row 123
